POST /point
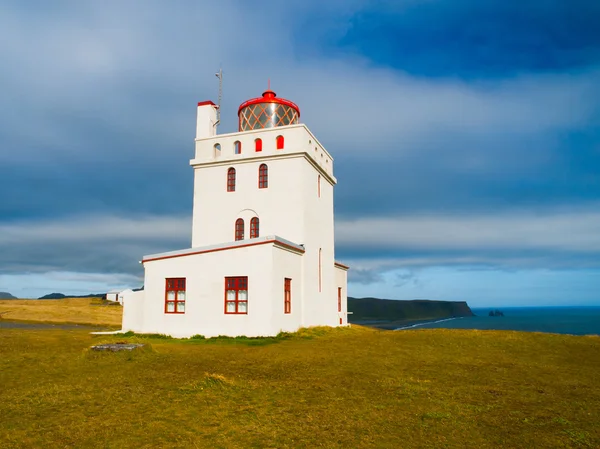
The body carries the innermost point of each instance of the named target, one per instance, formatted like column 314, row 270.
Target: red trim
column 174, row 285
column 287, row 295
column 239, row 229
column 237, row 284
column 341, row 265
column 207, row 102
column 319, row 186
column 263, row 176
column 231, row 179
column 269, row 96
column 278, row 242
column 254, row 228
column 340, row 300
column 320, row 250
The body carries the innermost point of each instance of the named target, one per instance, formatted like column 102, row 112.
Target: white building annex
column 262, row 256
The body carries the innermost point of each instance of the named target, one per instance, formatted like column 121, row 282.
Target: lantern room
column 267, row 111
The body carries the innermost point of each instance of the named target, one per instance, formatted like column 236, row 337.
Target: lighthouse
column 262, row 256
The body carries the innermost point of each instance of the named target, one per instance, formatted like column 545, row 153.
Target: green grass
column 321, row 387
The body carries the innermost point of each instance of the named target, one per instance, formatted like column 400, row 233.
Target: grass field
column 349, row 388
column 69, row 310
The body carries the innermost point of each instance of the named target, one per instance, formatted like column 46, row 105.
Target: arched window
column 231, row 179
column 254, row 228
column 237, row 147
column 239, row 229
column 258, row 145
column 263, row 176
column 279, row 140
column 217, row 150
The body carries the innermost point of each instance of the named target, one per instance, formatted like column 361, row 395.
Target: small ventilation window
column 237, row 147
column 258, row 145
column 280, row 142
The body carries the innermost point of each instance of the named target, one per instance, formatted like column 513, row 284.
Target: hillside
column 396, row 312
column 62, row 296
column 6, row 295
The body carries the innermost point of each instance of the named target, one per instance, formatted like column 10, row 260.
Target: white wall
column 133, row 311
column 205, row 293
column 290, row 207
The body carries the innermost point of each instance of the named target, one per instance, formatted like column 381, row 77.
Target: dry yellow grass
column 67, row 310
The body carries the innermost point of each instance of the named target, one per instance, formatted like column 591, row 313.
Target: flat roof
column 274, row 239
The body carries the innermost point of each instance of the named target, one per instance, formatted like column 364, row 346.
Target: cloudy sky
column 466, row 137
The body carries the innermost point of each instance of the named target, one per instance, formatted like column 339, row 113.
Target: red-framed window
column 175, row 295
column 320, row 251
column 239, row 229
column 237, row 147
column 236, row 295
column 319, row 186
column 254, row 228
column 280, row 142
column 287, row 295
column 263, row 176
column 257, row 145
column 339, row 299
column 231, row 179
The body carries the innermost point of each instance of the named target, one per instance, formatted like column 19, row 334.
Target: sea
column 556, row 320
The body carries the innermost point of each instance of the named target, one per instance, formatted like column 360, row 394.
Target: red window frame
column 263, row 176
column 254, row 228
column 280, row 142
column 236, row 295
column 320, row 251
column 231, row 179
column 287, row 295
column 257, row 145
column 237, row 147
column 174, row 292
column 239, row 229
column 339, row 299
column 319, row 186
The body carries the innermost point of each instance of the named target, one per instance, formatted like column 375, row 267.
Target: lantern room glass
column 267, row 115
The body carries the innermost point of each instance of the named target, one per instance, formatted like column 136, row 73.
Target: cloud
column 89, row 244
column 491, row 167
column 558, row 231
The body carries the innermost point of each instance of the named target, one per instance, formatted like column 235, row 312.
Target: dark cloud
column 473, row 39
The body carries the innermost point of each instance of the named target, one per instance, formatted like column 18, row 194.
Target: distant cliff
column 374, row 309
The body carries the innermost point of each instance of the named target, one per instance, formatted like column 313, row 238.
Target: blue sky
column 466, row 137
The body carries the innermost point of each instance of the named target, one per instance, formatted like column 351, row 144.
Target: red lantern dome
column 267, row 111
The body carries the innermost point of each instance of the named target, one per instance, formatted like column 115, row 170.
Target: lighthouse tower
column 262, row 259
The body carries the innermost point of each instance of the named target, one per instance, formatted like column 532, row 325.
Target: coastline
column 393, row 325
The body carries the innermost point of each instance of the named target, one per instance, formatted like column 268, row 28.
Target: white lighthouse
column 262, row 259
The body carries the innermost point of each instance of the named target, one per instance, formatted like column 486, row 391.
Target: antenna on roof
column 219, row 75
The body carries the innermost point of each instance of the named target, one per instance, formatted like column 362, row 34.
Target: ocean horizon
column 578, row 320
